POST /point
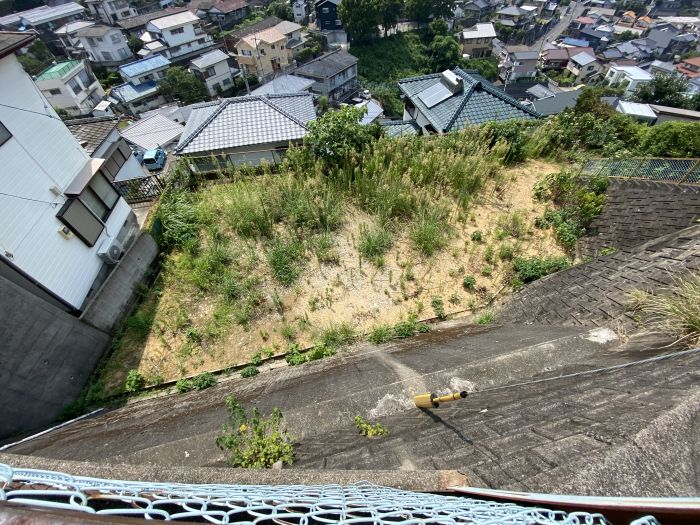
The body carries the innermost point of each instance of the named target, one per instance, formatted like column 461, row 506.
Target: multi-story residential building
column 477, row 41
column 181, row 34
column 584, row 67
column 136, row 25
column 475, row 10
column 689, row 68
column 334, row 75
column 224, row 13
column 514, row 16
column 518, row 62
column 68, row 37
column 629, row 77
column 71, row 86
column 301, row 11
column 327, row 18
column 214, row 70
column 140, row 89
column 110, row 11
column 105, row 45
column 295, row 38
column 62, row 224
column 263, row 53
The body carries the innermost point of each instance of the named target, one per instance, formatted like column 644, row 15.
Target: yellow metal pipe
column 433, row 401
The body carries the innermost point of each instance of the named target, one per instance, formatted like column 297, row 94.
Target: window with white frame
column 177, row 31
column 116, row 38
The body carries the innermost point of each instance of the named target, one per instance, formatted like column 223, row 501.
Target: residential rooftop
column 97, row 30
column 476, row 101
column 59, row 70
column 284, row 84
column 11, row 41
column 479, row 31
column 209, row 59
column 42, row 14
column 129, row 92
column 174, row 20
column 141, row 20
column 244, row 121
column 72, row 27
column 153, row 132
column 92, row 132
column 327, row 65
column 144, row 65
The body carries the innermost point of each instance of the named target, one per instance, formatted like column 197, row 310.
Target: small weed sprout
column 438, row 307
column 488, row 317
column 134, row 381
column 369, row 430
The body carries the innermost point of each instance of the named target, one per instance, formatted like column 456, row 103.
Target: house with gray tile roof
column 245, row 130
column 451, row 100
column 334, row 75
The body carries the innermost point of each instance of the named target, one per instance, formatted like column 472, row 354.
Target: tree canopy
column 183, row 85
column 360, row 18
column 337, row 134
column 281, row 9
column 666, row 90
column 445, row 52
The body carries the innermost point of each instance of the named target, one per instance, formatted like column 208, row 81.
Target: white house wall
column 42, row 153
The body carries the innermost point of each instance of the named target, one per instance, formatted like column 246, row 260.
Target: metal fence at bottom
column 142, row 189
column 285, row 504
column 670, row 170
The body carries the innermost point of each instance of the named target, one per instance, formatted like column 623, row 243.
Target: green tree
column 445, row 53
column 389, row 13
column 360, row 18
column 135, row 44
column 183, row 85
column 486, row 67
column 418, row 10
column 438, row 27
column 281, row 9
column 337, row 134
column 667, row 90
column 37, row 58
column 626, row 35
column 443, row 9
column 672, row 139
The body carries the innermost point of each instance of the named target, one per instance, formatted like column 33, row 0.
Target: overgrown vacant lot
column 413, row 226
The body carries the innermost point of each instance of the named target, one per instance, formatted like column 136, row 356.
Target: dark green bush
column 530, row 269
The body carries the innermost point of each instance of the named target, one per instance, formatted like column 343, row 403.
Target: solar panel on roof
column 433, row 95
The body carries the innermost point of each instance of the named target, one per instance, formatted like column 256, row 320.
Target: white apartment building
column 629, row 77
column 68, row 36
column 70, row 85
column 214, row 70
column 62, row 224
column 180, row 33
column 110, row 11
column 105, row 45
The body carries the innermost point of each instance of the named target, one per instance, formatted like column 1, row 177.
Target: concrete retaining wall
column 114, row 299
column 46, row 358
column 637, row 211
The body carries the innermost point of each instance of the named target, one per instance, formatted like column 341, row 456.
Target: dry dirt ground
column 353, row 291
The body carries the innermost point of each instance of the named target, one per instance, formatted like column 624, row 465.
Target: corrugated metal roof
column 129, row 92
column 177, row 19
column 583, row 59
column 153, row 132
column 246, row 121
column 144, row 65
column 477, row 103
column 209, row 59
column 373, row 112
column 71, row 27
column 284, row 84
column 635, row 109
column 41, row 16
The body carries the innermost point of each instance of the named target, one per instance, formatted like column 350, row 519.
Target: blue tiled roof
column 129, row 92
column 144, row 65
column 479, row 102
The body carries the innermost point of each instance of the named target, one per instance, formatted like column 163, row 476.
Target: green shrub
column 380, row 334
column 530, row 269
column 319, row 352
column 180, row 219
column 134, row 381
column 487, row 271
column 671, row 139
column 293, row 357
column 438, row 307
column 374, row 243
column 254, row 441
column 250, row 371
column 477, row 236
column 337, row 335
column 198, row 382
column 369, row 430
column 323, row 247
column 487, row 317
column 506, row 252
column 256, row 359
column 469, row 282
column 410, row 327
column 489, row 256
column 285, row 258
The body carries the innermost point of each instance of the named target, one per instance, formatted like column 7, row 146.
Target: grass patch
column 199, row 382
column 380, row 334
column 528, row 269
column 674, row 311
column 488, row 317
column 285, row 257
column 374, row 243
column 337, row 335
column 428, row 234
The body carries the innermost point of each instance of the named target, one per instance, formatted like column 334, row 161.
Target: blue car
column 154, row 159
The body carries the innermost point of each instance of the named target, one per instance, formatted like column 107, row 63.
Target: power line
column 31, row 111
column 54, row 204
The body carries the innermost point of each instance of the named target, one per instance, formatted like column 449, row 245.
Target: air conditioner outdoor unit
column 110, row 250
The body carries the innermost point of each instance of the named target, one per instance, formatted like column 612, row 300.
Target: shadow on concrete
column 448, row 425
